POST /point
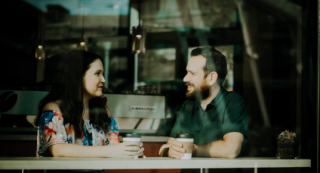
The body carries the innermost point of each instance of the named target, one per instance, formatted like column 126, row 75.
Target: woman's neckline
column 58, row 113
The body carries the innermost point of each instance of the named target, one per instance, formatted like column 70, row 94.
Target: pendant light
column 81, row 45
column 40, row 52
column 138, row 36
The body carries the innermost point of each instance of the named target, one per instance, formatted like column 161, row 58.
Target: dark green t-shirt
column 226, row 113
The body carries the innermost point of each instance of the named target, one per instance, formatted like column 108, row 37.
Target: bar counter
column 34, row 137
column 34, row 163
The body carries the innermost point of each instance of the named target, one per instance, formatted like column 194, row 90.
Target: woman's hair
column 68, row 87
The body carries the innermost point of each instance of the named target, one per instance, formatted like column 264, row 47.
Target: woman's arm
column 121, row 150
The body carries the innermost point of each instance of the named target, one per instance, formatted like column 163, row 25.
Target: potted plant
column 287, row 145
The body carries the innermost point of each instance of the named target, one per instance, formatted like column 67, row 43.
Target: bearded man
column 217, row 119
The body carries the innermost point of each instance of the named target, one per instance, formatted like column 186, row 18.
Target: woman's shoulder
column 113, row 121
column 113, row 125
column 50, row 113
column 52, row 106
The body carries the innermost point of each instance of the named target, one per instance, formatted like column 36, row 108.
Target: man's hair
column 216, row 61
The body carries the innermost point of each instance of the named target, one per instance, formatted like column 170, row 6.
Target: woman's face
column 93, row 79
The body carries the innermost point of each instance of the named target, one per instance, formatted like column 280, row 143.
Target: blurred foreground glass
column 146, row 89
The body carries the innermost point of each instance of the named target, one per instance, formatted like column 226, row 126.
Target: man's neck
column 214, row 92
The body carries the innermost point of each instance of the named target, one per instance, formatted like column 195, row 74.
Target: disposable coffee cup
column 132, row 137
column 187, row 143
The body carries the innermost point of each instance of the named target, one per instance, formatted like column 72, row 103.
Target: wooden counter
column 33, row 163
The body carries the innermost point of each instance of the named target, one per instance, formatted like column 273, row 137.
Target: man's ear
column 212, row 78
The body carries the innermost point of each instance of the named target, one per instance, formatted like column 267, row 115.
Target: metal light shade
column 138, row 40
column 40, row 53
column 82, row 45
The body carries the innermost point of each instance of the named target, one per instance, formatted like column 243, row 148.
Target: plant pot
column 287, row 149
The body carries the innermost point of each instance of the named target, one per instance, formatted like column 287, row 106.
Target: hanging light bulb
column 40, row 53
column 138, row 39
column 138, row 35
column 82, row 45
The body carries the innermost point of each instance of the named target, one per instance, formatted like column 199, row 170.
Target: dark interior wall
column 277, row 68
column 19, row 30
column 310, row 76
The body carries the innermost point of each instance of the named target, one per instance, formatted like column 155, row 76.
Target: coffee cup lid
column 132, row 135
column 184, row 135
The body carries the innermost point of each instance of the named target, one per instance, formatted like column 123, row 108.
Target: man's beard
column 198, row 94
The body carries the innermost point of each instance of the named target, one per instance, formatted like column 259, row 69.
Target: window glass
column 270, row 48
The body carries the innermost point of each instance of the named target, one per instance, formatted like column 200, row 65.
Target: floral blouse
column 54, row 130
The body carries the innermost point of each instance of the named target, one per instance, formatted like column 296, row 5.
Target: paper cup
column 132, row 137
column 187, row 143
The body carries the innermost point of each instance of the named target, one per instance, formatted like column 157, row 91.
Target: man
column 217, row 119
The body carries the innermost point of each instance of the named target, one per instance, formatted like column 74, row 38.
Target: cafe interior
column 271, row 49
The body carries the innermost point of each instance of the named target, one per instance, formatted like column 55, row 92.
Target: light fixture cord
column 82, row 19
column 39, row 26
column 139, row 10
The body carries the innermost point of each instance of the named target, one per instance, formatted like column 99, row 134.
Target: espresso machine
column 133, row 113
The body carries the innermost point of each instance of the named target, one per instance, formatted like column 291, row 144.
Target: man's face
column 198, row 89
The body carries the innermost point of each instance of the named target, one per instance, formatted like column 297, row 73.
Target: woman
column 72, row 116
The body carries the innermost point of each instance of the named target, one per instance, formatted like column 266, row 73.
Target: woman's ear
column 212, row 78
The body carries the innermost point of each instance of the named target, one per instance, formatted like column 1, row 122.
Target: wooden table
column 34, row 163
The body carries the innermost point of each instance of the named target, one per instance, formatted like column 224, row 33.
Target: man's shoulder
column 188, row 102
column 187, row 105
column 233, row 97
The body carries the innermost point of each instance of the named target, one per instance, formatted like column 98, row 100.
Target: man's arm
column 234, row 128
column 229, row 147
column 172, row 142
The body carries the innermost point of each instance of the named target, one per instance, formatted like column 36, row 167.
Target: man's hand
column 176, row 150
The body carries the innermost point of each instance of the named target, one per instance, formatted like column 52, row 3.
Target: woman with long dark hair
column 72, row 116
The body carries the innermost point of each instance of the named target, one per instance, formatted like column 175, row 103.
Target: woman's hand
column 140, row 153
column 125, row 150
